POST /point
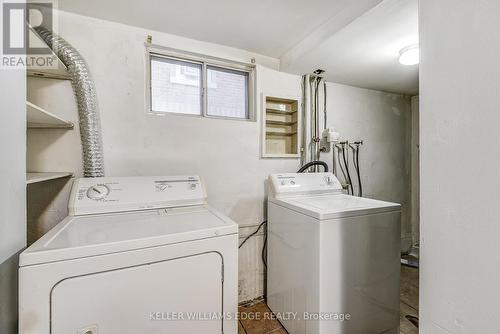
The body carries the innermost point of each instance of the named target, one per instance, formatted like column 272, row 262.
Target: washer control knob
column 193, row 186
column 292, row 182
column 283, row 183
column 98, row 192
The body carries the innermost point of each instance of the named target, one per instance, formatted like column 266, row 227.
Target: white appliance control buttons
column 98, row 192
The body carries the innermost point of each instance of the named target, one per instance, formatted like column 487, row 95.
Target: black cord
column 264, row 247
column 253, row 233
column 264, row 250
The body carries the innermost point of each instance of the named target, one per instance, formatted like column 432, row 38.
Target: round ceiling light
column 409, row 55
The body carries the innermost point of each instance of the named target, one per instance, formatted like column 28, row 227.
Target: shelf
column 279, row 112
column 282, row 134
column 272, row 122
column 37, row 118
column 58, row 72
column 281, row 127
column 41, row 177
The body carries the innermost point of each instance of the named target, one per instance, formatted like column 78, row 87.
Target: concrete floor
column 408, row 299
column 255, row 318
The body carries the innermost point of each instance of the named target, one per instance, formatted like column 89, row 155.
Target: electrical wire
column 252, row 234
column 264, row 247
column 264, row 250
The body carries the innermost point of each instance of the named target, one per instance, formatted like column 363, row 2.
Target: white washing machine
column 136, row 255
column 333, row 259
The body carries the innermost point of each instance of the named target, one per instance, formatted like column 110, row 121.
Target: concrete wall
column 12, row 190
column 460, row 118
column 226, row 153
column 383, row 122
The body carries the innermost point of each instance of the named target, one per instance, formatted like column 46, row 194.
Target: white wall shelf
column 60, row 71
column 286, row 123
column 283, row 134
column 38, row 118
column 279, row 112
column 42, row 177
column 280, row 127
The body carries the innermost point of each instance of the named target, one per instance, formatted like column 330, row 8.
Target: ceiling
column 365, row 52
column 354, row 41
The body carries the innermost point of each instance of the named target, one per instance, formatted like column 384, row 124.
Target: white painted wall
column 225, row 153
column 415, row 170
column 460, row 118
column 12, row 190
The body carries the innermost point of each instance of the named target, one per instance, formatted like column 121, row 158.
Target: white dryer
column 135, row 255
column 333, row 259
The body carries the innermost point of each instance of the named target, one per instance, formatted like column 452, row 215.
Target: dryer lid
column 91, row 235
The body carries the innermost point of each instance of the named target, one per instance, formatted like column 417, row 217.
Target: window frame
column 205, row 62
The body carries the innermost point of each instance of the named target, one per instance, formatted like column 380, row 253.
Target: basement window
column 200, row 86
column 176, row 86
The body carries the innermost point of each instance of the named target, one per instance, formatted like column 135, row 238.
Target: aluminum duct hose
column 88, row 113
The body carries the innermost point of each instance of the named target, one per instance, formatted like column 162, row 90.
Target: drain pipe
column 85, row 92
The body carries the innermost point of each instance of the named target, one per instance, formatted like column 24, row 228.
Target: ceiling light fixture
column 409, row 55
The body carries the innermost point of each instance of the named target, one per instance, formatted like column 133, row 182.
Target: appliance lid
column 335, row 206
column 120, row 194
column 91, row 235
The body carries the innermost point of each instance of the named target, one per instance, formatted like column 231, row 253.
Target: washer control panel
column 294, row 184
column 98, row 192
column 118, row 194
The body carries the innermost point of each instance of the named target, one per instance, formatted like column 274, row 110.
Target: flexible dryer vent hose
column 88, row 113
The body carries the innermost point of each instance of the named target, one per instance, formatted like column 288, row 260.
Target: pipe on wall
column 85, row 92
column 311, row 137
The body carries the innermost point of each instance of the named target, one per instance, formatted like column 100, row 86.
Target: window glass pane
column 175, row 86
column 227, row 92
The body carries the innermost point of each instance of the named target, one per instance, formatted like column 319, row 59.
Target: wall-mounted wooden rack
column 281, row 127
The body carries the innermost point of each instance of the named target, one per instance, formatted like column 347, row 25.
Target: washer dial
column 98, row 192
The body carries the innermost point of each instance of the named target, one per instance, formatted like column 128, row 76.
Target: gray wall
column 383, row 122
column 460, row 164
column 12, row 190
